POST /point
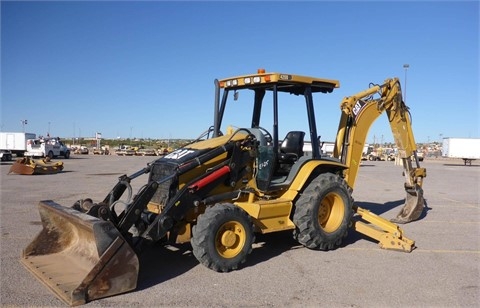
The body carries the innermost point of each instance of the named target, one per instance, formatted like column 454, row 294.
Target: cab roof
column 294, row 84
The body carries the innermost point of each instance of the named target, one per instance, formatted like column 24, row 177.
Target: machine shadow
column 271, row 245
column 162, row 263
column 380, row 208
column 367, row 165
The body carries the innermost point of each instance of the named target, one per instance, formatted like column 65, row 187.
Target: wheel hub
column 331, row 212
column 324, row 213
column 228, row 239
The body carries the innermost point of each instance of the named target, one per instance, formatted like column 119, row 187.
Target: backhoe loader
column 228, row 185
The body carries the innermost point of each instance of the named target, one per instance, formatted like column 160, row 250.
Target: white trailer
column 467, row 149
column 326, row 148
column 15, row 142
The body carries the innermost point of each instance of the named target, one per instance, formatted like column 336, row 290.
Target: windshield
column 291, row 113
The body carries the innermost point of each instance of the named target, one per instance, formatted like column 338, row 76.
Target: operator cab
column 274, row 102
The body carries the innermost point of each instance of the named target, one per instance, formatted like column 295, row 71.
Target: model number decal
column 263, row 164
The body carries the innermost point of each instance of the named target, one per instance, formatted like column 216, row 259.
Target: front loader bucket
column 80, row 257
column 413, row 208
column 30, row 166
column 19, row 167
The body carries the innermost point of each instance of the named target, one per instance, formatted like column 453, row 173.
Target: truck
column 467, row 149
column 14, row 142
column 5, row 155
column 234, row 181
column 47, row 147
column 383, row 154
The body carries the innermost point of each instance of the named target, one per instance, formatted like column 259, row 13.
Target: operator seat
column 291, row 148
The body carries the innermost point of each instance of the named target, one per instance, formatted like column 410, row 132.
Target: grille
column 165, row 190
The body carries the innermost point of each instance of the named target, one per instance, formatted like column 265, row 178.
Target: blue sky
column 146, row 69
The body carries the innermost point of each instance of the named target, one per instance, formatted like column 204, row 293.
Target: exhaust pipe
column 79, row 257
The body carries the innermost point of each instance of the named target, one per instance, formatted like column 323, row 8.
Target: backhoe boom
column 359, row 111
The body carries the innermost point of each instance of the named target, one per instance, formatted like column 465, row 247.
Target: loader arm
column 359, row 112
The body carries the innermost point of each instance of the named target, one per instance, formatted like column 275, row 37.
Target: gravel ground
column 443, row 271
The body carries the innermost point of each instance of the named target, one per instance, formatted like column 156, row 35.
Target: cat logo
column 178, row 154
column 358, row 107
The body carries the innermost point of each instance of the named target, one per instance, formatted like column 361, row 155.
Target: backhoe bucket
column 413, row 208
column 80, row 257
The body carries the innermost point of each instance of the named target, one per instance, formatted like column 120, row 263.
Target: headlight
column 231, row 83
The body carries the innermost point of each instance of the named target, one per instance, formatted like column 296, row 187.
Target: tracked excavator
column 220, row 190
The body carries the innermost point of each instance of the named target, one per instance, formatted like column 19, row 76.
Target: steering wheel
column 267, row 135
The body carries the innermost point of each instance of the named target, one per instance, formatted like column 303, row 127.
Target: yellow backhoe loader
column 222, row 189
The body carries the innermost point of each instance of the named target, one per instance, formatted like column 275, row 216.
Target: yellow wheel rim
column 331, row 212
column 230, row 239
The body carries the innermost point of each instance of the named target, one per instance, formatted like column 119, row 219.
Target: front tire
column 323, row 213
column 223, row 237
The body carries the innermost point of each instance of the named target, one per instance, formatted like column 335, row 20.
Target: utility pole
column 406, row 67
column 24, row 122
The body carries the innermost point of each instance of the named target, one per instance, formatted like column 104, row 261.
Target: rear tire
column 323, row 213
column 50, row 155
column 223, row 237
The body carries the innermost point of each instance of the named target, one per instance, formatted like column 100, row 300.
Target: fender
column 307, row 169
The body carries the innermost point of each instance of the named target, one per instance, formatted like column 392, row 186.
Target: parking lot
column 443, row 271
